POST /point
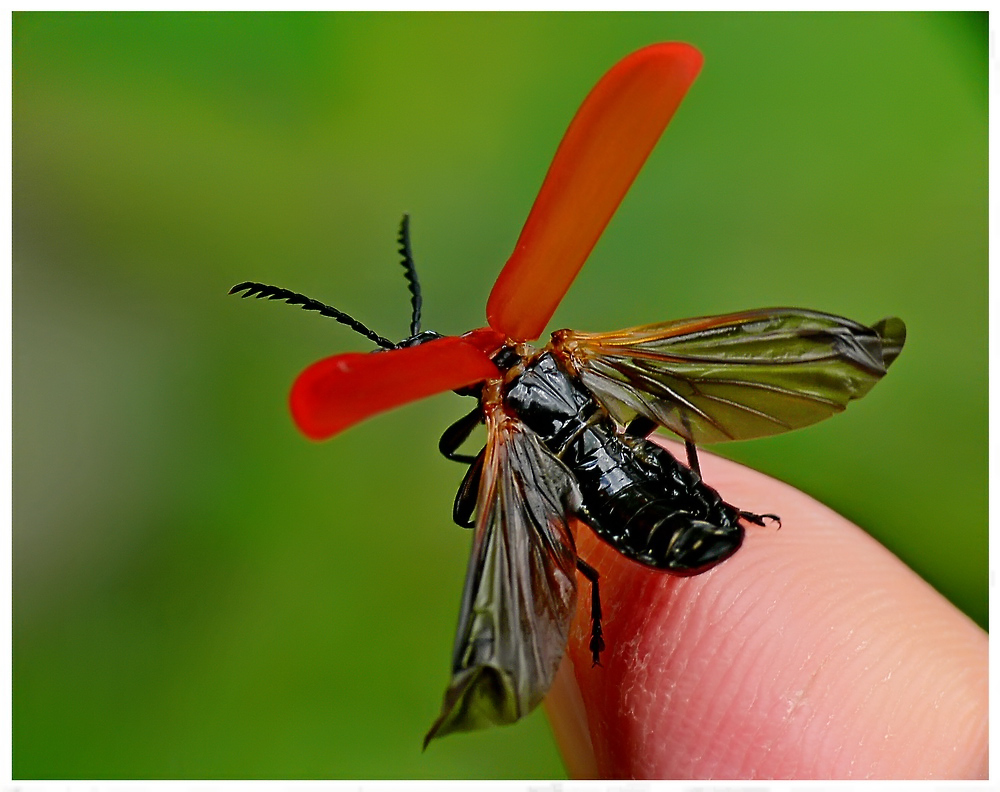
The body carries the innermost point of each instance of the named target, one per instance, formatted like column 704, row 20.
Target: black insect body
column 579, row 463
column 636, row 495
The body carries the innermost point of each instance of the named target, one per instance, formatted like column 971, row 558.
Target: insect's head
column 420, row 338
column 506, row 358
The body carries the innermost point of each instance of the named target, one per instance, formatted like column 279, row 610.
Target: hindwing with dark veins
column 520, row 588
column 737, row 376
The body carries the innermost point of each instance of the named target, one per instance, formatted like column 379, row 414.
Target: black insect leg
column 758, row 519
column 692, row 455
column 692, row 452
column 458, row 433
column 596, row 633
column 468, row 491
column 695, row 466
column 640, row 427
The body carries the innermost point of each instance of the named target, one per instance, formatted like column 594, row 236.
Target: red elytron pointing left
column 606, row 144
column 339, row 391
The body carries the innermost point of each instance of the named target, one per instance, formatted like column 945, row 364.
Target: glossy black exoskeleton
column 636, row 495
column 633, row 493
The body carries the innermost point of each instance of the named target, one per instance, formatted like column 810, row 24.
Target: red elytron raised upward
column 606, row 144
column 566, row 425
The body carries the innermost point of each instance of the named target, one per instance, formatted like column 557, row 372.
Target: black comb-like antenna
column 259, row 290
column 411, row 274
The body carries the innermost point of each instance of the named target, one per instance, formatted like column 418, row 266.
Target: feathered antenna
column 259, row 290
column 411, row 274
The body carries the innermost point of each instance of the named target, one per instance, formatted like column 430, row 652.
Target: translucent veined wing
column 520, row 587
column 606, row 144
column 337, row 392
column 737, row 376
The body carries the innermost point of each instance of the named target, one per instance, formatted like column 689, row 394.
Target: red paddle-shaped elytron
column 566, row 425
column 606, row 144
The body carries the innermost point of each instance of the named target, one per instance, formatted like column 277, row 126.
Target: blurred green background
column 201, row 592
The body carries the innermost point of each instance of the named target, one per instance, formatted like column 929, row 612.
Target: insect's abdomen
column 648, row 505
column 636, row 496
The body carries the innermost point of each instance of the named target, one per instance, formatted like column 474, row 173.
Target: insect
column 567, row 424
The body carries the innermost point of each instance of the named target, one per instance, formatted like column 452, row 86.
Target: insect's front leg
column 458, row 433
column 468, row 492
column 596, row 632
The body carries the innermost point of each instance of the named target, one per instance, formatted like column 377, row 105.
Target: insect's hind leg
column 458, row 433
column 692, row 456
column 596, row 632
column 641, row 427
column 758, row 519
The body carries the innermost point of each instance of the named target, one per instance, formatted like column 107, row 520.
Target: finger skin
column 813, row 653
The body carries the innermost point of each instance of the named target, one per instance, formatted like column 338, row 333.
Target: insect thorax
column 550, row 402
